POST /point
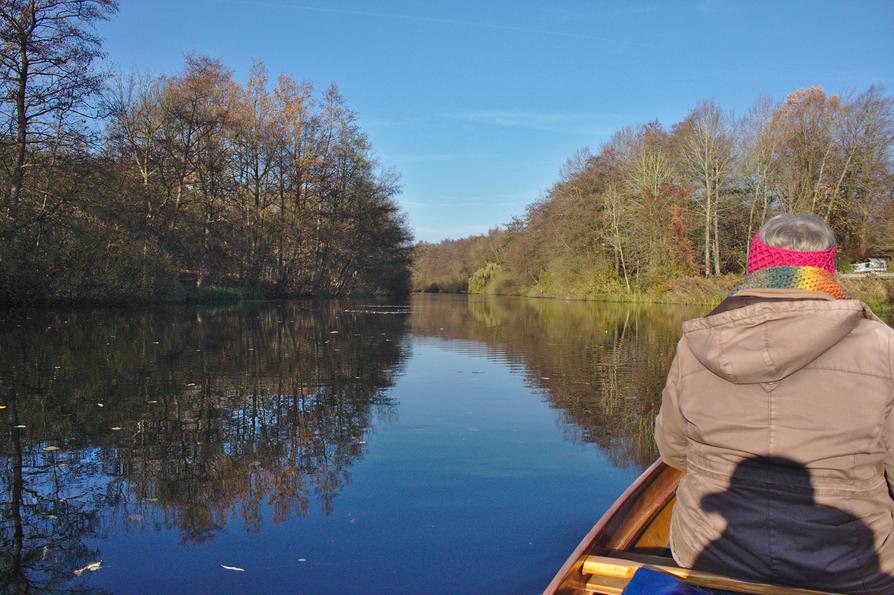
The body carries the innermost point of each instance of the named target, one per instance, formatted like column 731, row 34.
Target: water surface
column 445, row 445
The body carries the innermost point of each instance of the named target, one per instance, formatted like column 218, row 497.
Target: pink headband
column 761, row 256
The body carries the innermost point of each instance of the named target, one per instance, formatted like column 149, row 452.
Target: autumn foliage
column 144, row 187
column 656, row 205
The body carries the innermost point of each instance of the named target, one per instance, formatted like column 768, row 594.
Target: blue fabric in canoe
column 646, row 581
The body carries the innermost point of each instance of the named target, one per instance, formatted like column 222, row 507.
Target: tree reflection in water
column 178, row 418
column 602, row 365
column 185, row 419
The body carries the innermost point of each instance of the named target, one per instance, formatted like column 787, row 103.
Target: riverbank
column 208, row 295
column 877, row 293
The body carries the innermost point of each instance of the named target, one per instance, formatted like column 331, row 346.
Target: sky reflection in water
column 456, row 445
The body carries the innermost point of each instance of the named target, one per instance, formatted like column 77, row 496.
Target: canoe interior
column 637, row 523
column 634, row 532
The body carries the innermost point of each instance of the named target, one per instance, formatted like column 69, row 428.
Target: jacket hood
column 768, row 341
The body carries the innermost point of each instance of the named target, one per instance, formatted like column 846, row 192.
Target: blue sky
column 479, row 103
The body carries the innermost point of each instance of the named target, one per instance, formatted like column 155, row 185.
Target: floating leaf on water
column 21, row 426
column 89, row 567
column 233, row 568
column 50, row 448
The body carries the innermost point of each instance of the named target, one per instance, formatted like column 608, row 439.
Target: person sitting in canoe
column 778, row 408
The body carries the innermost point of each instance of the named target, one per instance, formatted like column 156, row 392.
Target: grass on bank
column 217, row 294
column 599, row 285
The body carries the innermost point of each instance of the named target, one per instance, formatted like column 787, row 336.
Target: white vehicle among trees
column 870, row 265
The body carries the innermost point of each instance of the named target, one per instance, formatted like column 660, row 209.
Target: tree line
column 116, row 187
column 655, row 204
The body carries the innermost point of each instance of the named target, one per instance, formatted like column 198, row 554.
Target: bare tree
column 707, row 151
column 757, row 160
column 45, row 78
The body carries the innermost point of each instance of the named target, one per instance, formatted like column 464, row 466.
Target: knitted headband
column 761, row 256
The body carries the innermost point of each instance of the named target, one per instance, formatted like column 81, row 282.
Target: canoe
column 634, row 532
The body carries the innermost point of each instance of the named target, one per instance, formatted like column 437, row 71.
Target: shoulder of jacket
column 687, row 363
column 874, row 326
column 872, row 333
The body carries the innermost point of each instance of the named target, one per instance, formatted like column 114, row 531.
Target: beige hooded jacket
column 780, row 414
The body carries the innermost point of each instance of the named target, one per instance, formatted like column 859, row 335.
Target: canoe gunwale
column 622, row 523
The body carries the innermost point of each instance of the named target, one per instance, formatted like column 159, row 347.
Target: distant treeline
column 117, row 187
column 656, row 208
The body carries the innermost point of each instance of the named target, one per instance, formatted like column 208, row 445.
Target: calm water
column 448, row 445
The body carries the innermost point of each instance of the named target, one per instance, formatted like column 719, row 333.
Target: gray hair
column 805, row 233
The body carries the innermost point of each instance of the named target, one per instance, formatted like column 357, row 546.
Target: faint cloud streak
column 436, row 20
column 448, row 232
column 428, row 157
column 564, row 123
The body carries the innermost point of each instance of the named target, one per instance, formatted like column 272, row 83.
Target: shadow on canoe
column 633, row 533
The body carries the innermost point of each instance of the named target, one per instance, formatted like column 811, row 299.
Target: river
column 450, row 444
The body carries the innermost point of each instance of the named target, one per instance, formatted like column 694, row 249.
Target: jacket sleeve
column 889, row 423
column 670, row 425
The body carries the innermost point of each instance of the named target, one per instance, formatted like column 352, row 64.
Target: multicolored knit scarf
column 808, row 278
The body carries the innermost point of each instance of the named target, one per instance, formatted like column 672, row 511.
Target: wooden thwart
column 604, row 567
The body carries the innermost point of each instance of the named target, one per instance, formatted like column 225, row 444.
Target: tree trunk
column 18, row 170
column 707, row 226
column 202, row 279
column 716, row 239
column 716, row 230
